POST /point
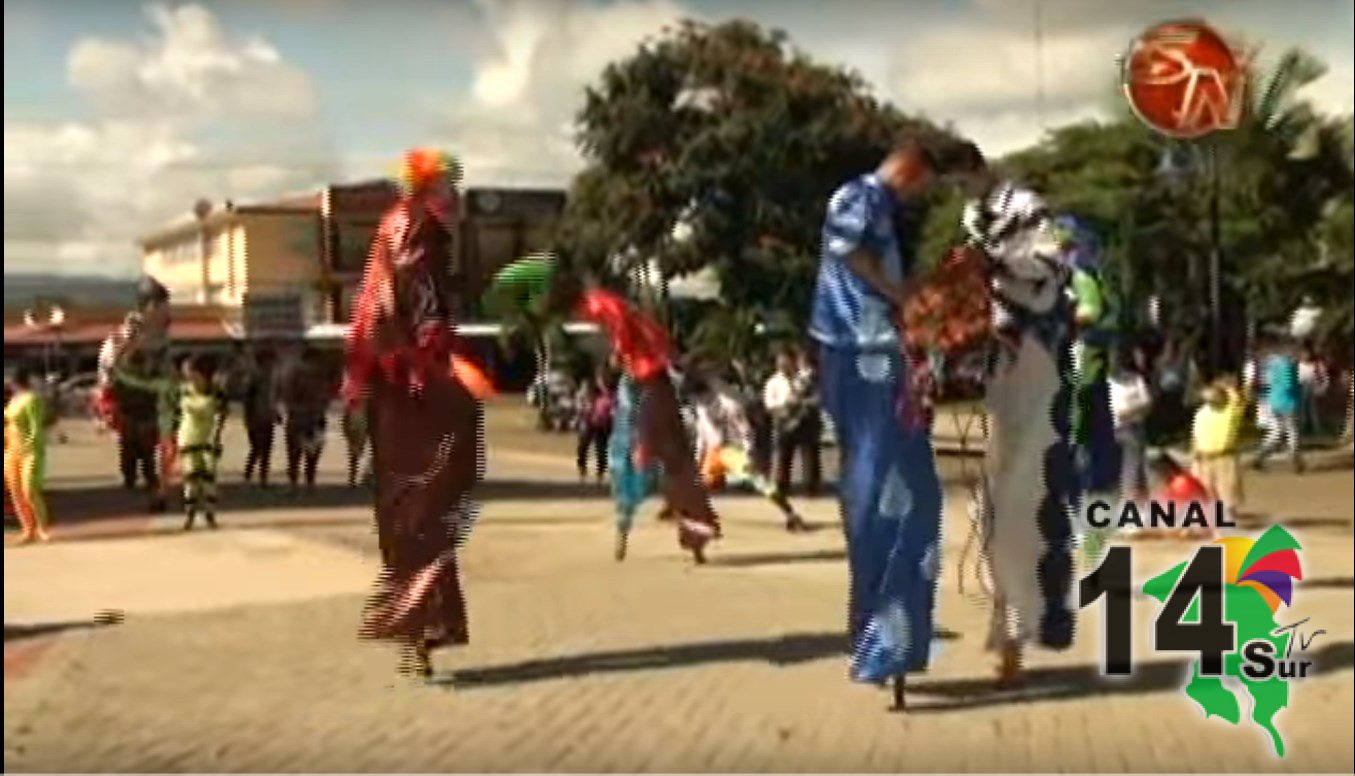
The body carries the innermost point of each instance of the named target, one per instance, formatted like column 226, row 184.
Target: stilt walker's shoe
column 415, row 661
column 1009, row 667
column 189, row 520
column 693, row 537
column 621, row 540
column 211, row 520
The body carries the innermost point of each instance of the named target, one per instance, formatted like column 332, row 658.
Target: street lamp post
column 201, row 209
column 54, row 324
column 1215, row 250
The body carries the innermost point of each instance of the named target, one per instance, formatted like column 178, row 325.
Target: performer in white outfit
column 1030, row 479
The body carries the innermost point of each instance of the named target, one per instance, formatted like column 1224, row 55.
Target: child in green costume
column 202, row 409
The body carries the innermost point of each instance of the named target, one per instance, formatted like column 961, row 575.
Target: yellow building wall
column 281, row 252
column 263, row 253
column 178, row 265
column 281, row 255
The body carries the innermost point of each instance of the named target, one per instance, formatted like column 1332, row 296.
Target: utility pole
column 1215, row 260
column 1039, row 64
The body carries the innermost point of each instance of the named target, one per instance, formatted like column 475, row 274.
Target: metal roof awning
column 337, row 331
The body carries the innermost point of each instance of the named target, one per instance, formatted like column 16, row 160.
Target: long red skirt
column 427, row 455
column 662, row 431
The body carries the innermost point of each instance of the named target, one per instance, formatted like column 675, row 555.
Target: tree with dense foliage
column 1284, row 184
column 719, row 146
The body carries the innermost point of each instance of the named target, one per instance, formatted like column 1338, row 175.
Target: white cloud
column 997, row 87
column 974, row 67
column 987, row 74
column 1335, row 91
column 191, row 69
column 516, row 123
column 191, row 109
column 78, row 193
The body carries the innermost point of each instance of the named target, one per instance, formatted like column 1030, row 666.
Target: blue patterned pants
column 891, row 509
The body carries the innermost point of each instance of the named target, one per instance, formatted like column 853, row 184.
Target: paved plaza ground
column 238, row 650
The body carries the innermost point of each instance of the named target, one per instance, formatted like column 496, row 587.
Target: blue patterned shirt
column 847, row 313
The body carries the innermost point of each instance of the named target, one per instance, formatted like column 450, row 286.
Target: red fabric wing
column 638, row 340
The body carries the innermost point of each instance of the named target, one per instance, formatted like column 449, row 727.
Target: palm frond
column 1295, row 70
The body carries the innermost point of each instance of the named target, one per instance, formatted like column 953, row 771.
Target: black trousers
column 260, row 458
column 304, row 443
column 804, row 439
column 136, row 453
column 595, row 437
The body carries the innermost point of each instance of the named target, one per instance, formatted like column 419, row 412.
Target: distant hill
column 23, row 289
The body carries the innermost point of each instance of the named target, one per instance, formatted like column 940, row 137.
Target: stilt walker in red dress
column 425, row 420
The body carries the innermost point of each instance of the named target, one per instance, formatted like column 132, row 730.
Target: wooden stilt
column 900, row 700
column 1009, row 670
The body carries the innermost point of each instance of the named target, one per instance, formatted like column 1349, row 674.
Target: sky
column 120, row 114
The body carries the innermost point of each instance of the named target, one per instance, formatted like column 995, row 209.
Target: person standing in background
column 132, row 364
column 1254, row 383
column 1130, row 403
column 1348, row 428
column 803, row 427
column 1214, row 442
column 1095, row 315
column 776, row 395
column 593, row 407
column 1313, row 383
column 1172, row 375
column 304, row 394
column 357, row 436
column 1283, row 398
column 137, row 391
column 558, row 408
column 259, row 400
column 234, row 380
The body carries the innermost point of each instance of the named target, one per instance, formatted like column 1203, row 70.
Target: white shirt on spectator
column 1313, row 377
column 1129, row 398
column 776, row 393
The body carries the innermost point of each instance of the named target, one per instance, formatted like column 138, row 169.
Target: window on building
column 352, row 241
column 181, row 252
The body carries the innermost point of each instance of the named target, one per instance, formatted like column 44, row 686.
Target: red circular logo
column 1183, row 80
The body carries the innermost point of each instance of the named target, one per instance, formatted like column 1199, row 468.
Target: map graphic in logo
column 1183, row 80
column 1239, row 638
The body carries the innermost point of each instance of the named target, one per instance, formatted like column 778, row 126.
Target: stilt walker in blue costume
column 1030, row 483
column 890, row 491
column 634, row 476
column 1096, row 454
